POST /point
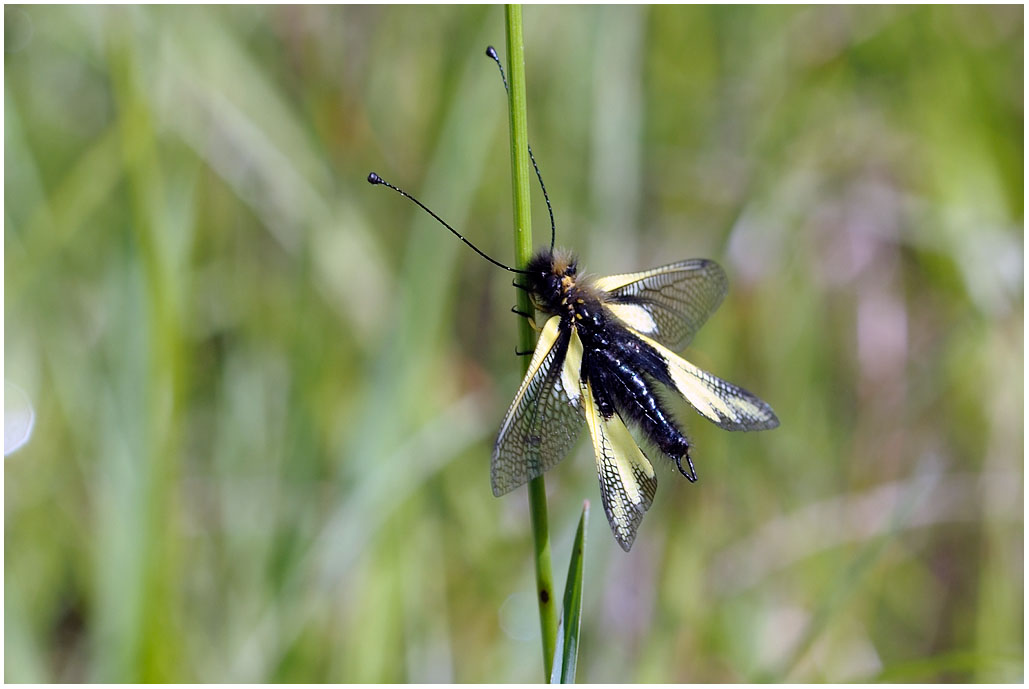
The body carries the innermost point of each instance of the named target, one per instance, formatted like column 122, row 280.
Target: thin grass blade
column 567, row 650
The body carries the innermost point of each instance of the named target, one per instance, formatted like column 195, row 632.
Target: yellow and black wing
column 545, row 417
column 670, row 303
column 627, row 480
column 728, row 405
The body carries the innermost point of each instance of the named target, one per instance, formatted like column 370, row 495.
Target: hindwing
column 669, row 303
column 729, row 406
column 627, row 480
column 546, row 415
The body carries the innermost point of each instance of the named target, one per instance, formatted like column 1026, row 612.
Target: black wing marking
column 544, row 419
column 669, row 303
column 627, row 479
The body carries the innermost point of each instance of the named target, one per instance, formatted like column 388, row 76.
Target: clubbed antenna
column 375, row 179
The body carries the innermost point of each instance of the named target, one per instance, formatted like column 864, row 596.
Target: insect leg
column 516, row 310
column 521, row 287
column 531, row 319
column 519, row 352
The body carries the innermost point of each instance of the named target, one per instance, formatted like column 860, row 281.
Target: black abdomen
column 621, row 369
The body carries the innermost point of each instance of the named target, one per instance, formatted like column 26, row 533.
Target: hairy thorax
column 558, row 289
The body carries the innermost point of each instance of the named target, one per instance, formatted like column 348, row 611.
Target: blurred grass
column 266, row 394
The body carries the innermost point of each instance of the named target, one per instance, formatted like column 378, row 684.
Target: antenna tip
column 491, row 52
column 374, row 178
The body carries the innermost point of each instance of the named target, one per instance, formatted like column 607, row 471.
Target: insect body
column 601, row 355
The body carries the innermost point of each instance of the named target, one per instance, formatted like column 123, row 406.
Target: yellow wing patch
column 611, row 283
column 627, row 480
column 728, row 405
column 635, row 316
column 572, row 367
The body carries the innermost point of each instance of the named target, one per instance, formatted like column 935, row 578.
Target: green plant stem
column 523, row 251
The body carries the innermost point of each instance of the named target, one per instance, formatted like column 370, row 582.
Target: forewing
column 627, row 480
column 728, row 405
column 669, row 303
column 545, row 417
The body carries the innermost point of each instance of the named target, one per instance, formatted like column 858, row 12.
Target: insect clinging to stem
column 607, row 346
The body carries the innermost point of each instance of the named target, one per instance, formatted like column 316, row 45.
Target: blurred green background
column 266, row 392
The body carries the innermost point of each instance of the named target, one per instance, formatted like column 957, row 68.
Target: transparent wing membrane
column 669, row 303
column 545, row 417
